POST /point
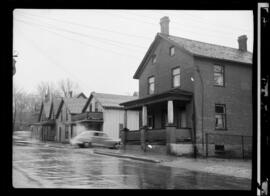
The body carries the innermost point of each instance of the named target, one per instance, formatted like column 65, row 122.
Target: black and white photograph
column 133, row 99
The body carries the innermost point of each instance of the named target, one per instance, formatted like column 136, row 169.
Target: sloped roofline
column 154, row 44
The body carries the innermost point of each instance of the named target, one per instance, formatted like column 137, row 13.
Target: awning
column 174, row 94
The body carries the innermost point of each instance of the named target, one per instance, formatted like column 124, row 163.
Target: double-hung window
column 151, row 85
column 220, row 116
column 218, row 75
column 176, row 77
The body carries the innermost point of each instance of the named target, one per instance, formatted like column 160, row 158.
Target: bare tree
column 47, row 87
column 68, row 87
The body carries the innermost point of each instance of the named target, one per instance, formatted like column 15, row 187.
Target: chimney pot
column 164, row 25
column 242, row 43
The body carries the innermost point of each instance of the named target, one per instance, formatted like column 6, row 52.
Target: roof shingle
column 211, row 50
column 75, row 105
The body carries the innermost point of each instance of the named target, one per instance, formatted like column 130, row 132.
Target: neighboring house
column 45, row 128
column 65, row 125
column 102, row 112
column 195, row 97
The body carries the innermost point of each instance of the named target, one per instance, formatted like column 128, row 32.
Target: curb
column 127, row 156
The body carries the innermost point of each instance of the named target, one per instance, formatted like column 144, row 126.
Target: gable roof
column 46, row 107
column 109, row 100
column 56, row 104
column 198, row 48
column 74, row 105
column 81, row 95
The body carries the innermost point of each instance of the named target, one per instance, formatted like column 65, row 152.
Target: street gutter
column 126, row 156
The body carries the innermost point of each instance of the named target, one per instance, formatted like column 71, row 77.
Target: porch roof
column 174, row 94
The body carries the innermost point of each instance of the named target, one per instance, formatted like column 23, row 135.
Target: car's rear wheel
column 80, row 145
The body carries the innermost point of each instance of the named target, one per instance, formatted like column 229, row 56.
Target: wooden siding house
column 102, row 112
column 45, row 128
column 194, row 97
column 65, row 125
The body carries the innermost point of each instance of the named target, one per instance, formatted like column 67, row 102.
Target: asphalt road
column 37, row 166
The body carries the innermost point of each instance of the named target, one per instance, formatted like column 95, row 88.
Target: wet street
column 51, row 167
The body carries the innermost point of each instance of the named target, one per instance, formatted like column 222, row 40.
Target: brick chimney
column 242, row 43
column 164, row 25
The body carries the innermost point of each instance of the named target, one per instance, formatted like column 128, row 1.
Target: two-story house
column 102, row 112
column 65, row 126
column 195, row 97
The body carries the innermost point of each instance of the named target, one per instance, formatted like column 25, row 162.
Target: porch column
column 144, row 128
column 170, row 128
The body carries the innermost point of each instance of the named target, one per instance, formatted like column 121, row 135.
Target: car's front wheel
column 87, row 144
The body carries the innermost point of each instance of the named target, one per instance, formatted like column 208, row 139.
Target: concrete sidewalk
column 229, row 167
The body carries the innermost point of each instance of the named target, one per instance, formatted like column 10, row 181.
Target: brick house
column 65, row 125
column 194, row 97
column 102, row 112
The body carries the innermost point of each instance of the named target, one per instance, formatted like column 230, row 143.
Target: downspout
column 202, row 111
column 194, row 128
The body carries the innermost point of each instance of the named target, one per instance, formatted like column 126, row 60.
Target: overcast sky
column 101, row 49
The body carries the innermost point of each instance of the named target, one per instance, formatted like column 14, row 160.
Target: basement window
column 219, row 148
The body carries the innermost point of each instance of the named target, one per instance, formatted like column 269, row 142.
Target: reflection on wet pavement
column 79, row 168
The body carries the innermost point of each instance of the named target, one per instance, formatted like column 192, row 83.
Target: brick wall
column 236, row 95
column 162, row 70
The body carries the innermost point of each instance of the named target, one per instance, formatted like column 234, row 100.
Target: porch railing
column 87, row 116
column 158, row 136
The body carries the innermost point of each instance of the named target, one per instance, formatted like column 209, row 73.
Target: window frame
column 222, row 73
column 148, row 85
column 170, row 49
column 223, row 115
column 172, row 77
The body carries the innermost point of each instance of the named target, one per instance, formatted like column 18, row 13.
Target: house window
column 154, row 59
column 220, row 116
column 151, row 85
column 176, row 77
column 150, row 122
column 61, row 117
column 66, row 114
column 90, row 107
column 66, row 132
column 218, row 75
column 96, row 106
column 172, row 51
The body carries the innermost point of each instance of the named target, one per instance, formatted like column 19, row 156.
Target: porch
column 165, row 119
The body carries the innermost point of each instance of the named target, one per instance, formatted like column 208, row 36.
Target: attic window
column 172, row 51
column 154, row 59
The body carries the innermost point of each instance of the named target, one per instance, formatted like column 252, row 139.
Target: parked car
column 94, row 138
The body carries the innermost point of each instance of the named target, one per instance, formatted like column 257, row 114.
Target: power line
column 88, row 26
column 50, row 59
column 84, row 43
column 91, row 36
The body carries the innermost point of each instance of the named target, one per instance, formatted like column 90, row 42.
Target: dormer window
column 154, row 59
column 172, row 51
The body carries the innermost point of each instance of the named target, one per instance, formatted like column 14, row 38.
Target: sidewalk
column 230, row 167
